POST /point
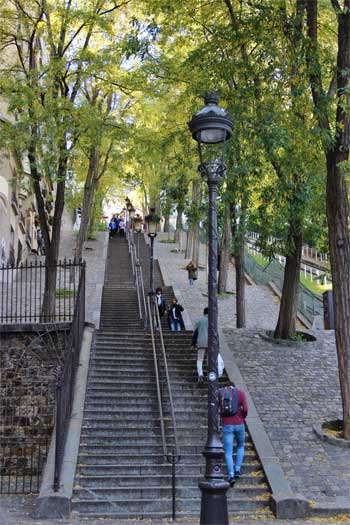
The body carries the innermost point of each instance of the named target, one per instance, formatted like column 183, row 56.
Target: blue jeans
column 230, row 432
column 175, row 325
column 191, row 281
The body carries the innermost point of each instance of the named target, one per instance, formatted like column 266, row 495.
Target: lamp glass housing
column 152, row 227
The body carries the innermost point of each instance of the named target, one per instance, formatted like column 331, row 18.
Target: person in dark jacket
column 233, row 429
column 160, row 302
column 175, row 320
column 192, row 272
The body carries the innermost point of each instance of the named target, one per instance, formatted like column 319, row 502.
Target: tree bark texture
column 337, row 201
column 225, row 253
column 238, row 230
column 285, row 328
column 88, row 199
column 189, row 243
column 178, row 223
column 196, row 197
column 166, row 228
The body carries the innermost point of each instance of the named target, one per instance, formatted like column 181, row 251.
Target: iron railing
column 22, row 289
column 309, row 304
column 156, row 368
column 65, row 384
column 172, row 456
column 137, row 272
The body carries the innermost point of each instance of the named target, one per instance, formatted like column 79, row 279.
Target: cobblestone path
column 262, row 306
column 293, row 388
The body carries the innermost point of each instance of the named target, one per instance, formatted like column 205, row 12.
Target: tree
column 50, row 47
column 336, row 142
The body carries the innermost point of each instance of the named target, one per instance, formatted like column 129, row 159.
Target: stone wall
column 29, row 365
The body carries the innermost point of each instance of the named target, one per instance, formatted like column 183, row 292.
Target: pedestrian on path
column 200, row 340
column 160, row 301
column 192, row 273
column 233, row 408
column 175, row 320
column 112, row 227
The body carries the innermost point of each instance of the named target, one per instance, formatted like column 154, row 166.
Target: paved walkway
column 95, row 254
column 292, row 388
column 262, row 306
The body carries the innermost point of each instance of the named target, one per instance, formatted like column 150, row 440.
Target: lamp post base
column 214, row 503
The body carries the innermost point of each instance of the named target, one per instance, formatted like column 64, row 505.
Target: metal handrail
column 159, row 395
column 160, row 332
column 142, row 288
column 137, row 272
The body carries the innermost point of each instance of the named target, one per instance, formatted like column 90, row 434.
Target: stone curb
column 318, row 430
column 52, row 504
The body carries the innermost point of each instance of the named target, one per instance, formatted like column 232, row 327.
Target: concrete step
column 158, row 505
column 159, row 492
column 142, row 469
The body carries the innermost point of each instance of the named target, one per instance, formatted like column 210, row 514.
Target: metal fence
column 309, row 304
column 22, row 290
column 65, row 385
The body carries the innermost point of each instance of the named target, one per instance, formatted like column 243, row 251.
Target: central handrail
column 137, row 272
column 172, row 411
column 159, row 395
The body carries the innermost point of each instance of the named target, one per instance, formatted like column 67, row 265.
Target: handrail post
column 173, row 484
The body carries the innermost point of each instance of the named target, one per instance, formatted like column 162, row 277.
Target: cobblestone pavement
column 262, row 306
column 17, row 510
column 293, row 388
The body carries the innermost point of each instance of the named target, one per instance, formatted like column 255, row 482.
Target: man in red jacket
column 233, row 427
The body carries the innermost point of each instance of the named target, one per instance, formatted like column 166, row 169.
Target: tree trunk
column 189, row 243
column 240, row 284
column 88, row 199
column 337, row 151
column 225, row 253
column 238, row 235
column 195, row 245
column 51, row 252
column 285, row 328
column 196, row 198
column 178, row 223
column 166, row 223
column 339, row 244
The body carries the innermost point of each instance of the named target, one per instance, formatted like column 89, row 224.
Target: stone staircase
column 121, row 469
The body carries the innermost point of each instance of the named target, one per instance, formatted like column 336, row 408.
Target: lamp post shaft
column 213, row 487
column 151, row 290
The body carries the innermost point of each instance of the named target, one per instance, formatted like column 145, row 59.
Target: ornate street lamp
column 211, row 127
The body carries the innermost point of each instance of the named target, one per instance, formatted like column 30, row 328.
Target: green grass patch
column 166, row 241
column 63, row 292
column 313, row 286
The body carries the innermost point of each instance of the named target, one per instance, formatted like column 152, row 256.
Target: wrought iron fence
column 65, row 385
column 309, row 304
column 22, row 289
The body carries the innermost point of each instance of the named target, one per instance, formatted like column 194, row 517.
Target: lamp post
column 138, row 228
column 211, row 128
column 152, row 223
